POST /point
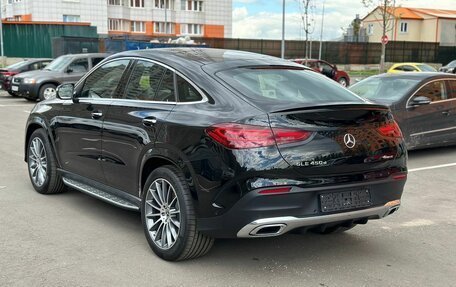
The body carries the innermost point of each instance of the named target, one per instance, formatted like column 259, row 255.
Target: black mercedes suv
column 210, row 143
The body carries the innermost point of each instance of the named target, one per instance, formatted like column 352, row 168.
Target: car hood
column 40, row 74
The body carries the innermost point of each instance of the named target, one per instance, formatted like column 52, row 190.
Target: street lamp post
column 283, row 31
column 1, row 34
column 321, row 30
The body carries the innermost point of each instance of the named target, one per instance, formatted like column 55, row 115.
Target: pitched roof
column 439, row 13
column 417, row 13
column 404, row 13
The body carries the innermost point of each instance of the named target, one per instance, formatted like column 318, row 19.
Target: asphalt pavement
column 72, row 239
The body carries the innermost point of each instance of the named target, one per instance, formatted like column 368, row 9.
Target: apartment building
column 197, row 18
column 413, row 24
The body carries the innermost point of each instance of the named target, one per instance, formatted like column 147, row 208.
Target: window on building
column 192, row 5
column 71, row 18
column 115, row 2
column 137, row 26
column 161, row 4
column 14, row 1
column 164, row 28
column 116, row 25
column 137, row 3
column 192, row 29
column 370, row 29
column 404, row 27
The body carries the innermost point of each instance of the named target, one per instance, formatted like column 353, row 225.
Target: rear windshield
column 426, row 68
column 387, row 89
column 59, row 64
column 17, row 65
column 286, row 85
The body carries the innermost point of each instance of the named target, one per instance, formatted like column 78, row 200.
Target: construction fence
column 36, row 41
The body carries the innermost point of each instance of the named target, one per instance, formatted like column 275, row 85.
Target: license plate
column 337, row 201
column 15, row 88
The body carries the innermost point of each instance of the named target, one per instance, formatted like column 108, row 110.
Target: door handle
column 97, row 115
column 149, row 121
column 446, row 113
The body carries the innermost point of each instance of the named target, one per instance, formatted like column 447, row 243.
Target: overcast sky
column 263, row 18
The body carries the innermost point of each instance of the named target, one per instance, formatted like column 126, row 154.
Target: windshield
column 389, row 89
column 17, row 65
column 271, row 85
column 452, row 64
column 426, row 68
column 59, row 64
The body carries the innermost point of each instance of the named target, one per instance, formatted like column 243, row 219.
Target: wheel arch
column 32, row 126
column 154, row 161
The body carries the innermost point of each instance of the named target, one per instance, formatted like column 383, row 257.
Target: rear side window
column 151, row 82
column 452, row 89
column 285, row 85
column 435, row 91
column 79, row 66
column 96, row 61
column 409, row 68
column 187, row 93
column 35, row 66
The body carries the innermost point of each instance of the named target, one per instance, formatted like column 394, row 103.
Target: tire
column 185, row 242
column 47, row 91
column 30, row 99
column 13, row 94
column 334, row 229
column 52, row 181
column 343, row 82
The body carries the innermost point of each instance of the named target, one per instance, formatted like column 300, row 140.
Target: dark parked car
column 327, row 69
column 213, row 143
column 65, row 69
column 6, row 74
column 450, row 68
column 423, row 104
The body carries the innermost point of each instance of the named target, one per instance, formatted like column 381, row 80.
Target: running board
column 97, row 193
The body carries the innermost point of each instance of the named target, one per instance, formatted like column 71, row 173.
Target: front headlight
column 29, row 81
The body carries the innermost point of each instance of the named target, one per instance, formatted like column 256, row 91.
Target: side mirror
column 69, row 70
column 421, row 101
column 335, row 67
column 65, row 91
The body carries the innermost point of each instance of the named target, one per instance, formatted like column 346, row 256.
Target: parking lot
column 75, row 240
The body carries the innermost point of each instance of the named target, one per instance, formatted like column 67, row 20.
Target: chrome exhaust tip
column 268, row 230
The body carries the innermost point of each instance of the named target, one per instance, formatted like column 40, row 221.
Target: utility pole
column 321, row 30
column 283, row 31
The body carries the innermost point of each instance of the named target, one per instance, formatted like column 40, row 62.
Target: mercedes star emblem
column 349, row 140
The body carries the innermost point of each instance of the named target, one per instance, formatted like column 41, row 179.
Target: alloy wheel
column 37, row 161
column 49, row 93
column 162, row 213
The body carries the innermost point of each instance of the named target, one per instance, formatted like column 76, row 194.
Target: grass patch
column 366, row 73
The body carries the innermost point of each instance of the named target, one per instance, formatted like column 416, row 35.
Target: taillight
column 390, row 129
column 9, row 74
column 239, row 136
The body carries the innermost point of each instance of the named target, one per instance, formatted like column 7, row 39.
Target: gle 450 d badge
column 313, row 163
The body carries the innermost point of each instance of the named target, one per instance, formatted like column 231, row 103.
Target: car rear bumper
column 275, row 226
column 300, row 208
